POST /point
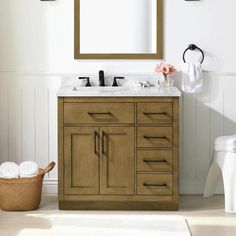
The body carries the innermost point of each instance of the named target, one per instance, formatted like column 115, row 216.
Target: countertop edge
column 144, row 92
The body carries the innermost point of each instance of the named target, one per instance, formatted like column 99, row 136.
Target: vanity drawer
column 154, row 160
column 154, row 184
column 154, row 136
column 98, row 113
column 159, row 113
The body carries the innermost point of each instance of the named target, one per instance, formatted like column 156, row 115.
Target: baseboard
column 50, row 186
column 191, row 186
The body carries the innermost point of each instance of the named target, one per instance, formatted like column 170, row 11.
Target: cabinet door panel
column 81, row 161
column 117, row 160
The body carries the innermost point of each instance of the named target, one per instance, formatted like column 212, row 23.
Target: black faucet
column 101, row 78
column 88, row 84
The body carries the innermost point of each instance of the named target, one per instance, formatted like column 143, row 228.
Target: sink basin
column 107, row 89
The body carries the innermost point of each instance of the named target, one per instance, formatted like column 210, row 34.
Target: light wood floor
column 206, row 217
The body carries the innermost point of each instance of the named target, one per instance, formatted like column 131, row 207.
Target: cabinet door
column 117, row 160
column 81, row 160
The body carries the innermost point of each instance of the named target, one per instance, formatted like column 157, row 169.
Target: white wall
column 36, row 49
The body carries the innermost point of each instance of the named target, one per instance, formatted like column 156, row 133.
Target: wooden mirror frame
column 146, row 56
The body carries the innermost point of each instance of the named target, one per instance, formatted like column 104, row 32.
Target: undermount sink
column 99, row 89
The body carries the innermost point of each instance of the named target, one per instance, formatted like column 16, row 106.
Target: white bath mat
column 120, row 225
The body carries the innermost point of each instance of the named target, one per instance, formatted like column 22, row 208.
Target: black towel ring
column 193, row 47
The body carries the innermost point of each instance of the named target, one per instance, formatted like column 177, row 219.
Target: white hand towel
column 226, row 140
column 28, row 169
column 10, row 170
column 192, row 81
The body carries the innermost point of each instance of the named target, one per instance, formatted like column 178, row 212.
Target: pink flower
column 172, row 70
column 165, row 69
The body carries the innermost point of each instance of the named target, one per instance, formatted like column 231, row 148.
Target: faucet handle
column 115, row 81
column 88, row 82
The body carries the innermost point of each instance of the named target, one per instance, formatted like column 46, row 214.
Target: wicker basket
column 22, row 194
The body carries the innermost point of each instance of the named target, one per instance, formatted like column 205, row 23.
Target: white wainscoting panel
column 28, row 123
column 205, row 116
column 28, row 120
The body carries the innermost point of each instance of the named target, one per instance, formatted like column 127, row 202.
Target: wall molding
column 196, row 186
column 50, row 186
column 72, row 74
column 66, row 74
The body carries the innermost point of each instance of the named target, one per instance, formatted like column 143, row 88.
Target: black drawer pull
column 155, row 161
column 155, row 137
column 154, row 185
column 96, row 137
column 99, row 113
column 104, row 145
column 154, row 113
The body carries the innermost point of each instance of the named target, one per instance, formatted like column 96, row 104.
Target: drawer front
column 98, row 113
column 154, row 136
column 154, row 184
column 154, row 160
column 159, row 113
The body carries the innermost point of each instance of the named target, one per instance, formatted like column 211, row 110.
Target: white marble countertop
column 122, row 91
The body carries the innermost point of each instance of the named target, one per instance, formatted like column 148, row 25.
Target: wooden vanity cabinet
column 118, row 153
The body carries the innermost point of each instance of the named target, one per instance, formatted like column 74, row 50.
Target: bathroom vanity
column 119, row 151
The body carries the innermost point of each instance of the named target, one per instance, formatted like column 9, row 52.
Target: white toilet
column 224, row 160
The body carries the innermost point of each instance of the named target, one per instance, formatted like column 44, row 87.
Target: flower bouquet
column 168, row 71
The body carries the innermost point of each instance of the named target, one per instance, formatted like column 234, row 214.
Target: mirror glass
column 122, row 28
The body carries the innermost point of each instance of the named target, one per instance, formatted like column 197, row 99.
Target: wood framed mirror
column 118, row 29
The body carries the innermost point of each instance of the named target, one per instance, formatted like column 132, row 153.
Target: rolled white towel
column 10, row 170
column 226, row 140
column 28, row 169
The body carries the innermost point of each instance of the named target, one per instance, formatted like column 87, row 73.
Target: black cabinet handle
column 155, row 137
column 154, row 113
column 96, row 137
column 104, row 146
column 155, row 161
column 104, row 136
column 99, row 113
column 154, row 185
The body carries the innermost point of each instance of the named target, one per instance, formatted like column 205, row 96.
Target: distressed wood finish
column 117, row 160
column 154, row 137
column 60, row 149
column 118, row 205
column 161, row 113
column 154, row 160
column 175, row 150
column 154, row 184
column 81, row 161
column 130, row 162
column 99, row 113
